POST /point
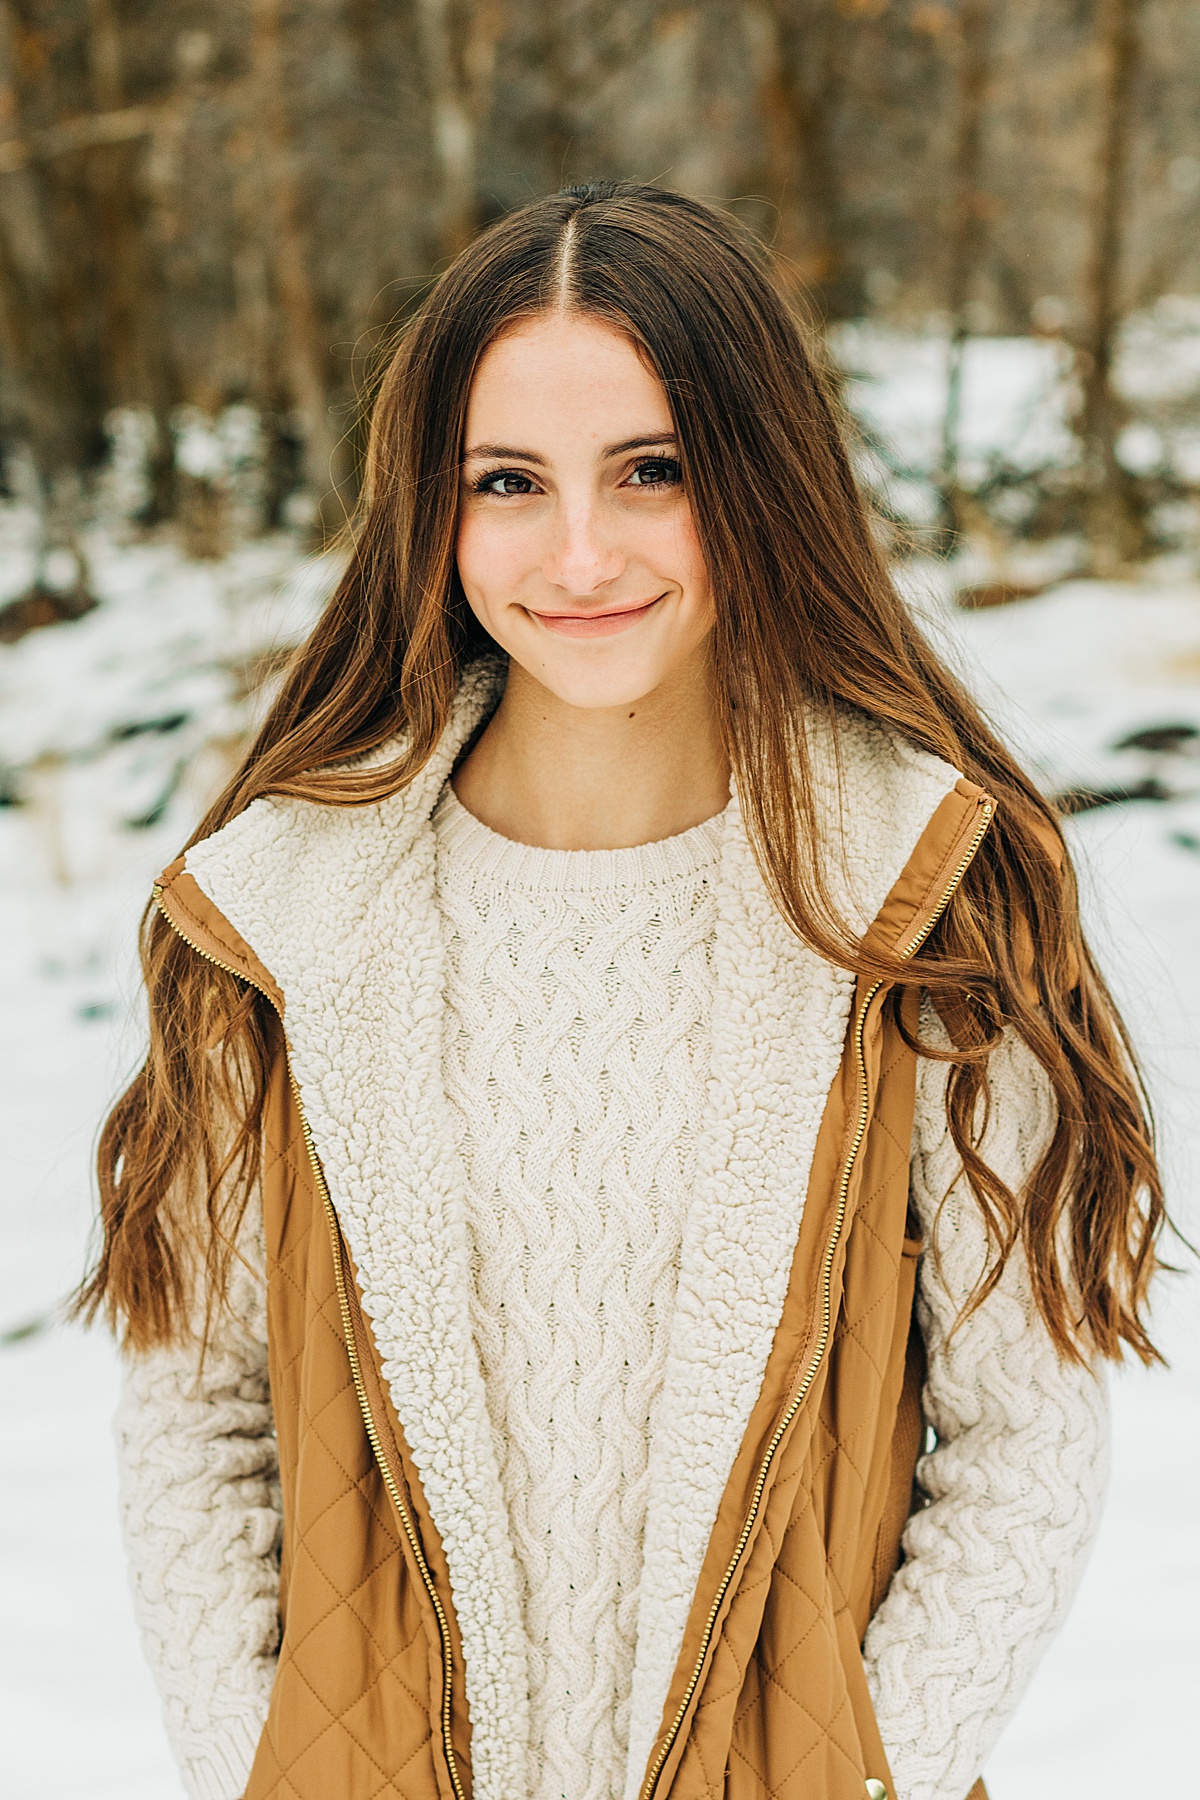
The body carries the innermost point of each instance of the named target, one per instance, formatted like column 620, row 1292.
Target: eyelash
column 483, row 483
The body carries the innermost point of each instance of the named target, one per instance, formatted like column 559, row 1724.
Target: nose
column 582, row 557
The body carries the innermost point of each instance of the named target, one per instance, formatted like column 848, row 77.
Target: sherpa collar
column 339, row 904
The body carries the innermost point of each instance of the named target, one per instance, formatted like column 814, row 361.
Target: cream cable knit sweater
column 578, row 997
column 1015, row 1482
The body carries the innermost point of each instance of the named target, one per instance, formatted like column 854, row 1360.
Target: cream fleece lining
column 339, row 904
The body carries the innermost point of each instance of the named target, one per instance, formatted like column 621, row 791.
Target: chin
column 596, row 683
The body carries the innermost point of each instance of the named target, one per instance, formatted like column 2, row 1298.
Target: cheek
column 476, row 557
column 690, row 570
column 493, row 566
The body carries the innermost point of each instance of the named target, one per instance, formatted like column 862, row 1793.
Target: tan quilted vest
column 769, row 1699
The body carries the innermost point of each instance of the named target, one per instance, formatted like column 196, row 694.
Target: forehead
column 565, row 371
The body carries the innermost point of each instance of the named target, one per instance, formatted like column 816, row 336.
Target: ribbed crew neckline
column 474, row 845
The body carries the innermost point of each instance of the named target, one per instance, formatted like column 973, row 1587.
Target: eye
column 503, row 482
column 656, row 471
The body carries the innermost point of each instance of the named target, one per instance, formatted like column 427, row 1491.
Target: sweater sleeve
column 1015, row 1484
column 200, row 1510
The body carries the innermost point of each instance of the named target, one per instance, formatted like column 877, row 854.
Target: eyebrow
column 656, row 440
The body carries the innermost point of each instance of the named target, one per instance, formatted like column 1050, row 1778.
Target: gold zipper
column 381, row 1458
column 986, row 809
column 785, row 1420
column 810, row 1374
column 364, row 1403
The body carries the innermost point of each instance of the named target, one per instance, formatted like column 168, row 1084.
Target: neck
column 565, row 777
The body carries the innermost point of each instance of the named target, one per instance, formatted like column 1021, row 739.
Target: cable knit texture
column 576, row 1038
column 200, row 1509
column 1016, row 1483
column 341, row 906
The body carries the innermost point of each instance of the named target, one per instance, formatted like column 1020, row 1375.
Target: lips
column 594, row 624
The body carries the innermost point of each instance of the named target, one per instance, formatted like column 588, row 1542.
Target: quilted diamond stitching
column 329, row 1484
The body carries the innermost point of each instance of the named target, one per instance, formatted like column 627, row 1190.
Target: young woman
column 627, row 1092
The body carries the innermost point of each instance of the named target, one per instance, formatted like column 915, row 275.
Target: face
column 576, row 546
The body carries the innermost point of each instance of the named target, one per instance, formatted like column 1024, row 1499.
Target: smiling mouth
column 594, row 624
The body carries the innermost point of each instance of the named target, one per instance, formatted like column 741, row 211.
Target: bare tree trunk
column 458, row 55
column 303, row 352
column 800, row 165
column 967, row 228
column 1115, row 530
column 131, row 296
column 45, row 374
column 561, row 54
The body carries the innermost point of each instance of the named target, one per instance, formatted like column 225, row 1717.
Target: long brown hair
column 809, row 626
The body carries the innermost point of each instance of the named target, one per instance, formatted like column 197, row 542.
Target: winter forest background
column 211, row 219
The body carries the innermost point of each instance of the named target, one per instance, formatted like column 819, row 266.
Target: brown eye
column 504, row 482
column 656, row 471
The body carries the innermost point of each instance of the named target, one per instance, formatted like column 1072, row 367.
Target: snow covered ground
column 1070, row 674
column 112, row 729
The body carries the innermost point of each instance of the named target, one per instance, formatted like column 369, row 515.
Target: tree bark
column 967, row 234
column 1115, row 531
column 800, row 163
column 43, row 367
column 302, row 343
column 458, row 55
column 131, row 294
column 63, row 431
